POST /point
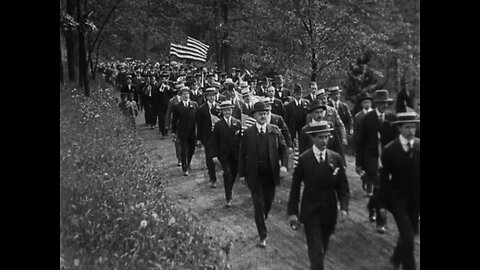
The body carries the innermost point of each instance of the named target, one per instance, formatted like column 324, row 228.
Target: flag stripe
column 198, row 43
column 182, row 53
column 183, row 56
column 196, row 48
column 188, row 50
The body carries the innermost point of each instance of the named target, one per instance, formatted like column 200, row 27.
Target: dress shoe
column 213, row 184
column 229, row 204
column 179, row 164
column 369, row 194
column 372, row 217
column 262, row 243
column 381, row 229
column 185, row 173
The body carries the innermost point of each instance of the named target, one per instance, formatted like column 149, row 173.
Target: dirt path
column 355, row 244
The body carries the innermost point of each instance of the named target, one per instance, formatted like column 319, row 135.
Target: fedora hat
column 382, row 96
column 260, row 107
column 210, row 90
column 407, row 117
column 316, row 104
column 363, row 96
column 226, row 104
column 216, row 84
column 318, row 127
column 297, row 89
column 278, row 78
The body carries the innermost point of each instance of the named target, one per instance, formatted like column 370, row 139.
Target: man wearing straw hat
column 183, row 127
column 342, row 108
column 262, row 149
column 400, row 187
column 225, row 147
column 205, row 117
column 168, row 120
column 323, row 175
column 376, row 131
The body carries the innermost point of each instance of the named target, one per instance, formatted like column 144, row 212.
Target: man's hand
column 216, row 161
column 294, row 223
column 344, row 142
column 174, row 137
column 343, row 215
column 283, row 170
column 350, row 132
column 359, row 170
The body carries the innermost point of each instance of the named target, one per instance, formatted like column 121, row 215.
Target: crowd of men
column 250, row 126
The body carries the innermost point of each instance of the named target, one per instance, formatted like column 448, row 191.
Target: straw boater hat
column 245, row 91
column 320, row 92
column 334, row 90
column 316, row 104
column 318, row 127
column 178, row 86
column 228, row 81
column 210, row 90
column 382, row 96
column 184, row 89
column 226, row 104
column 243, row 84
column 260, row 107
column 216, row 84
column 407, row 117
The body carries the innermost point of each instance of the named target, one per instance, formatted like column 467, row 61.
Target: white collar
column 317, row 152
column 378, row 112
column 366, row 111
column 228, row 120
column 259, row 127
column 404, row 141
column 211, row 104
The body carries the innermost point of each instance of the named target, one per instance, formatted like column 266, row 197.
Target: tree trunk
column 61, row 63
column 70, row 43
column 218, row 43
column 314, row 66
column 82, row 52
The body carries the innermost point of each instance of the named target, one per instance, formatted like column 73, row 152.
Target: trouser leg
column 259, row 211
column 184, row 154
column 207, row 143
column 404, row 251
column 315, row 245
column 161, row 122
column 269, row 195
column 229, row 174
column 191, row 149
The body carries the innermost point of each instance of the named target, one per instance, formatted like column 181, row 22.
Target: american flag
column 185, row 47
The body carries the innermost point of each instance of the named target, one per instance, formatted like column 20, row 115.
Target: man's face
column 313, row 88
column 260, row 117
column 185, row 95
column 270, row 92
column 317, row 114
column 297, row 96
column 408, row 130
column 323, row 99
column 129, row 81
column 366, row 104
column 246, row 98
column 335, row 96
column 227, row 112
column 210, row 97
column 381, row 106
column 320, row 139
column 196, row 86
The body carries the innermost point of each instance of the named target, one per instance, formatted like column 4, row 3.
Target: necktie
column 261, row 131
column 409, row 150
column 321, row 157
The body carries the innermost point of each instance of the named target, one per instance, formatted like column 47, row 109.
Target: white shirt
column 261, row 127
column 210, row 105
column 366, row 111
column 228, row 120
column 317, row 153
column 335, row 104
column 381, row 116
column 185, row 103
column 404, row 142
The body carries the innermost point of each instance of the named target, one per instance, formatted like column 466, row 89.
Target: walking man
column 168, row 120
column 400, row 187
column 262, row 149
column 323, row 175
column 225, row 147
column 376, row 131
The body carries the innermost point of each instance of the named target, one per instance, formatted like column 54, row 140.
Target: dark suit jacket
column 245, row 110
column 296, row 116
column 226, row 140
column 400, row 178
column 197, row 98
column 285, row 95
column 248, row 157
column 403, row 101
column 278, row 108
column 220, row 98
column 168, row 117
column 183, row 120
column 344, row 114
column 367, row 151
column 124, row 89
column 160, row 100
column 278, row 121
column 204, row 121
column 305, row 143
column 321, row 188
column 357, row 119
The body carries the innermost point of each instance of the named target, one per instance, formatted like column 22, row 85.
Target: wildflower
column 143, row 223
column 155, row 215
column 76, row 262
column 171, row 221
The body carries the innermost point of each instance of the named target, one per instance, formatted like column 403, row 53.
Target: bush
column 113, row 209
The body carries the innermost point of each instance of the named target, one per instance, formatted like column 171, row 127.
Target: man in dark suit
column 138, row 81
column 128, row 87
column 168, row 120
column 205, row 117
column 277, row 120
column 296, row 112
column 281, row 93
column 197, row 94
column 404, row 99
column 160, row 100
column 322, row 172
column 311, row 96
column 365, row 100
column 277, row 105
column 342, row 108
column 262, row 149
column 183, row 127
column 376, row 131
column 247, row 104
column 400, row 187
column 218, row 97
column 225, row 147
